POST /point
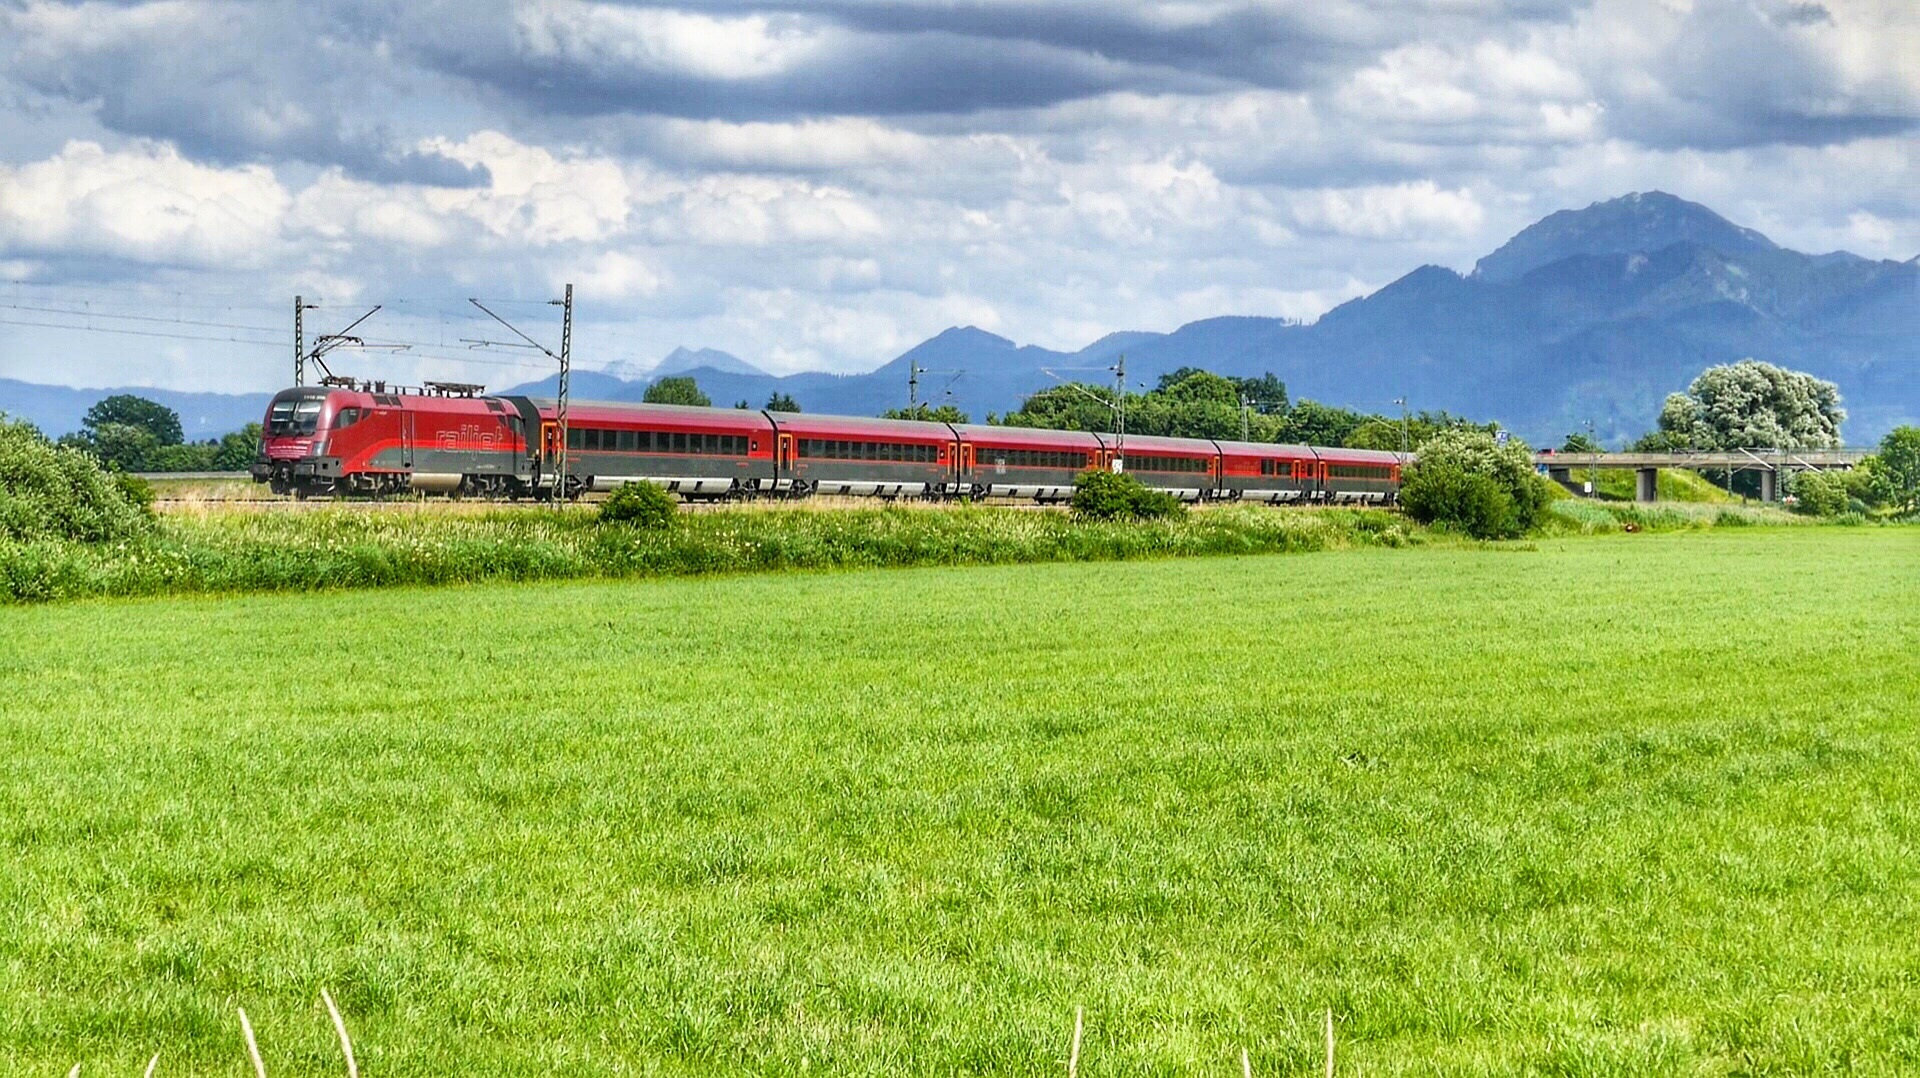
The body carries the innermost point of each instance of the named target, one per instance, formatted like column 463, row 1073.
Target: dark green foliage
column 1897, row 468
column 127, row 410
column 677, row 390
column 129, row 433
column 922, row 413
column 1104, row 495
column 1311, row 423
column 137, row 490
column 1820, row 494
column 1580, row 443
column 1394, row 435
column 50, row 492
column 1069, row 407
column 641, row 505
column 1464, row 479
column 1445, row 493
column 782, row 402
column 236, row 451
column 1187, row 403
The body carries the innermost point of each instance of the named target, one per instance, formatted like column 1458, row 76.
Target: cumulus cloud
column 145, row 203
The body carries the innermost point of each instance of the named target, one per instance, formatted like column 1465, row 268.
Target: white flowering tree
column 1754, row 405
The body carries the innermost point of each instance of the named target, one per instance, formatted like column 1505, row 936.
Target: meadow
column 1616, row 805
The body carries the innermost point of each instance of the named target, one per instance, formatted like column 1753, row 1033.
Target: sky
column 821, row 185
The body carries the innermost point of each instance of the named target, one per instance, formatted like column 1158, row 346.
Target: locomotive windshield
column 293, row 415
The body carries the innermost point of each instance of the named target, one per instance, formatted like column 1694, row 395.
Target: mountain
column 681, row 360
column 1637, row 222
column 1590, row 315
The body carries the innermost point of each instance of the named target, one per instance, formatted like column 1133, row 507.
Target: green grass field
column 1640, row 804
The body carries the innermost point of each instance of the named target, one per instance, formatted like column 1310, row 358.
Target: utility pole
column 913, row 384
column 299, row 342
column 1593, row 465
column 1120, row 409
column 1406, row 438
column 564, row 358
column 566, row 377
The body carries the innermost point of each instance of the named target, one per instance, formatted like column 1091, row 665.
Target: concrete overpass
column 1770, row 463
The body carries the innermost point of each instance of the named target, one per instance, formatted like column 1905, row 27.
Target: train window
column 576, row 438
column 679, row 441
column 626, row 441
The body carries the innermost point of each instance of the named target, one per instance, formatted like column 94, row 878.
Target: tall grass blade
column 1329, row 1042
column 1073, row 1057
column 340, row 1027
column 253, row 1046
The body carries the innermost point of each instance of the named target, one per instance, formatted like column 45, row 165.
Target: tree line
column 133, row 434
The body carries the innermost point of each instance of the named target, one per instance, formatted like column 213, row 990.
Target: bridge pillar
column 1769, row 485
column 1562, row 476
column 1646, row 485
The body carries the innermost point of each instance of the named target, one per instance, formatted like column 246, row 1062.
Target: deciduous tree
column 677, row 390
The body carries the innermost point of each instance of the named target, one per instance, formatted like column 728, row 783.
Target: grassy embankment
column 217, row 550
column 1634, row 805
column 1672, row 484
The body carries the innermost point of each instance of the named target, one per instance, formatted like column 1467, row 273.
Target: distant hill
column 1587, row 315
column 59, row 409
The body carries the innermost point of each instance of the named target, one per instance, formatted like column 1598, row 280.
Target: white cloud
column 145, row 203
column 609, row 35
column 1401, row 211
column 613, row 275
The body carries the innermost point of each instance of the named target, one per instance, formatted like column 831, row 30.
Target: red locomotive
column 369, row 440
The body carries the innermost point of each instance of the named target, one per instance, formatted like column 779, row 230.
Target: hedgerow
column 344, row 548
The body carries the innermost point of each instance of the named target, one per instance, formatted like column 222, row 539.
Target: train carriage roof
column 1269, row 450
column 1174, row 447
column 857, row 427
column 1027, row 437
column 1357, row 456
column 668, row 416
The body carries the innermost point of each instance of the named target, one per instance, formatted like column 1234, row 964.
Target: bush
column 1465, row 479
column 641, row 504
column 1104, row 495
column 59, row 493
column 1820, row 494
column 1445, row 493
column 136, row 490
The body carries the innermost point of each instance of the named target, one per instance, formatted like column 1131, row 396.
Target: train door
column 783, row 460
column 406, row 439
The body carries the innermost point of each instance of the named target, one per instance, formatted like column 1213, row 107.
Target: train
column 369, row 439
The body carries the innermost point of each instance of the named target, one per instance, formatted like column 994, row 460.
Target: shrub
column 137, row 490
column 1820, row 494
column 1104, row 495
column 1465, row 479
column 59, row 493
column 641, row 504
column 1445, row 493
